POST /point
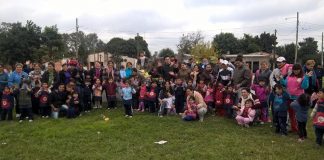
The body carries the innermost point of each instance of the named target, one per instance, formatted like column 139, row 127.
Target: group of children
column 165, row 98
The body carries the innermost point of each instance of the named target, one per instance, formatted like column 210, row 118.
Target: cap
column 281, row 59
column 225, row 62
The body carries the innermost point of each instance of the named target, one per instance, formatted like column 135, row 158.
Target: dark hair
column 321, row 90
column 51, row 63
column 249, row 100
column 297, row 67
column 279, row 86
column 166, row 57
column 303, row 100
column 191, row 98
column 247, row 89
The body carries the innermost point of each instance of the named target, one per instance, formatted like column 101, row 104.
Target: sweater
column 242, row 76
column 301, row 111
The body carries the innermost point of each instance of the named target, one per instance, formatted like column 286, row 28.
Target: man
column 225, row 74
column 201, row 105
column 283, row 69
column 96, row 72
column 142, row 61
column 167, row 69
column 207, row 74
column 242, row 75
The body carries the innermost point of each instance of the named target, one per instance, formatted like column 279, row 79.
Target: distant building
column 253, row 59
column 103, row 58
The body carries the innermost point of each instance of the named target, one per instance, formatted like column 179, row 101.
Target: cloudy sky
column 163, row 22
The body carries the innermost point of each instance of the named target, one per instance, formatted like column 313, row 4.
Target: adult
column 167, row 69
column 313, row 85
column 111, row 71
column 245, row 95
column 242, row 75
column 96, row 72
column 207, row 74
column 15, row 80
column 295, row 84
column 263, row 73
column 35, row 77
column 225, row 74
column 283, row 70
column 142, row 61
column 201, row 105
column 319, row 74
column 184, row 72
column 50, row 76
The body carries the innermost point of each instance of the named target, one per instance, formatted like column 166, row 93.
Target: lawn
column 90, row 137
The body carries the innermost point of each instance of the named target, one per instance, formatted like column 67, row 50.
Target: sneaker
column 108, row 108
column 126, row 116
column 46, row 116
column 246, row 125
column 261, row 122
column 43, row 116
column 161, row 116
column 17, row 115
column 300, row 140
column 130, row 116
column 27, row 118
column 20, row 121
column 30, row 120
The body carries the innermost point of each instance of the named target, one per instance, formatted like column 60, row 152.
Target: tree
column 189, row 41
column 119, row 46
column 287, row 51
column 141, row 45
column 226, row 42
column 249, row 44
column 267, row 41
column 204, row 50
column 166, row 52
column 307, row 49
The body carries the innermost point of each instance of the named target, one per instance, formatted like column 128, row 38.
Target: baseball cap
column 281, row 59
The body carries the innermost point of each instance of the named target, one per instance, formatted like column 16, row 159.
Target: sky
column 163, row 22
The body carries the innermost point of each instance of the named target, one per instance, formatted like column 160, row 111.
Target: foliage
column 166, row 52
column 204, row 50
column 189, row 41
column 226, row 42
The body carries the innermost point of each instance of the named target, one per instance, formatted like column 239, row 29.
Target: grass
column 90, row 137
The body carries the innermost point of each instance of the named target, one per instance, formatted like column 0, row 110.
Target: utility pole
column 77, row 33
column 322, row 51
column 296, row 47
column 274, row 51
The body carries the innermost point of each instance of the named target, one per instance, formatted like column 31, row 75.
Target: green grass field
column 90, row 137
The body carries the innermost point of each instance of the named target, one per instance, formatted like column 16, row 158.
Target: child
column 246, row 114
column 73, row 105
column 126, row 94
column 151, row 97
column 229, row 100
column 110, row 87
column 209, row 97
column 97, row 90
column 278, row 101
column 7, row 101
column 318, row 116
column 58, row 99
column 87, row 94
column 301, row 108
column 219, row 101
column 262, row 92
column 180, row 95
column 190, row 114
column 166, row 104
column 44, row 94
column 122, row 72
column 25, row 107
column 142, row 92
column 201, row 87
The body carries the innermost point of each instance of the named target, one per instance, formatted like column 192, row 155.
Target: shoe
column 20, row 121
column 17, row 115
column 30, row 120
column 300, row 140
column 246, row 125
column 261, row 122
column 130, row 116
column 27, row 118
column 161, row 116
column 108, row 108
column 43, row 116
column 46, row 116
column 126, row 116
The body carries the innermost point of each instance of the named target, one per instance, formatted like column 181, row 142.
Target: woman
column 263, row 73
column 35, row 77
column 295, row 84
column 50, row 76
column 201, row 105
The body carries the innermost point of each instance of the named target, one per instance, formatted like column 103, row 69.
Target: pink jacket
column 294, row 85
column 251, row 113
column 209, row 97
column 261, row 92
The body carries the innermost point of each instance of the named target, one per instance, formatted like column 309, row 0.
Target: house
column 103, row 58
column 253, row 60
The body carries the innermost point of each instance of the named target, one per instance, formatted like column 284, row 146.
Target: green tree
column 249, row 44
column 187, row 42
column 308, row 49
column 226, row 42
column 121, row 47
column 204, row 50
column 267, row 41
column 166, row 52
column 287, row 51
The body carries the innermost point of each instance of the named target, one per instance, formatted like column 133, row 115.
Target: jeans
column 280, row 123
column 26, row 112
column 128, row 107
column 6, row 113
column 319, row 135
column 302, row 130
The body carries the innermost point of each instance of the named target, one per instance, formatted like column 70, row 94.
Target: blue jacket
column 301, row 111
column 3, row 80
column 279, row 103
column 128, row 72
column 15, row 78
